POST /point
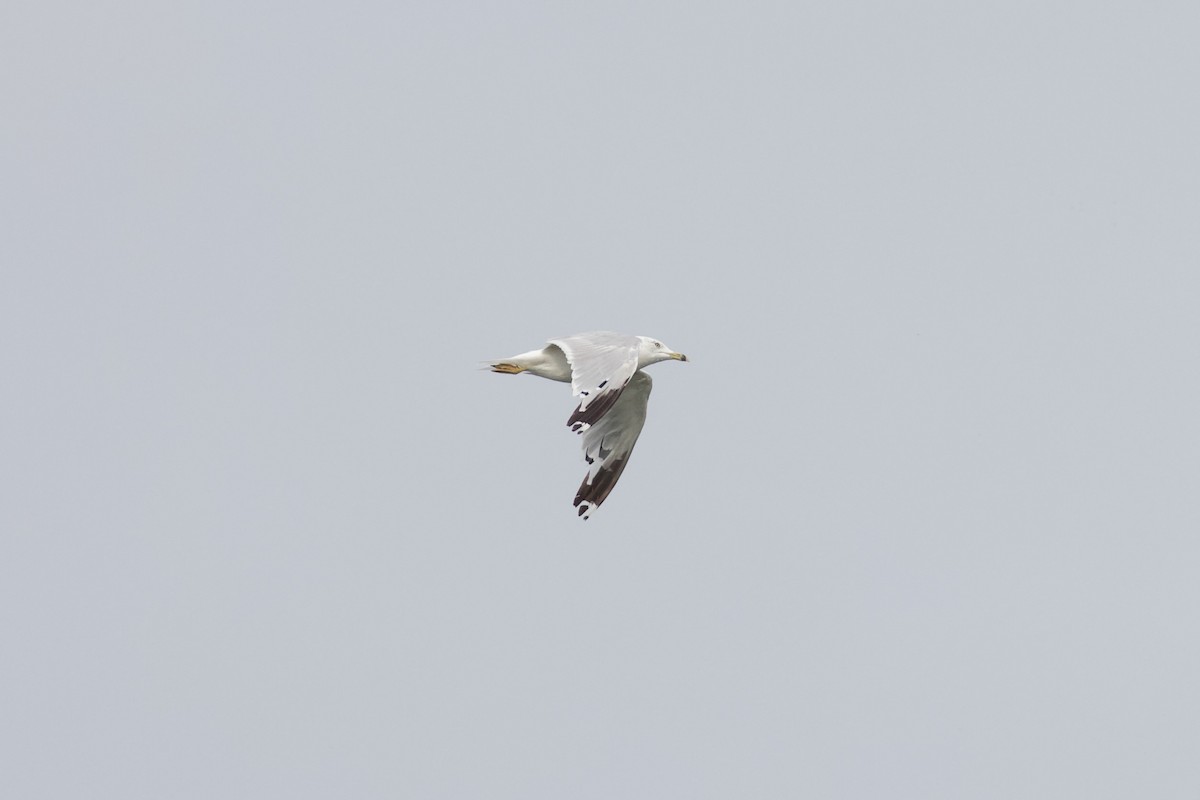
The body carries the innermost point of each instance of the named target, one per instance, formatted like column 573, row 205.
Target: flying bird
column 605, row 372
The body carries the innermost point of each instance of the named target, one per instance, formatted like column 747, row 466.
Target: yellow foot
column 511, row 369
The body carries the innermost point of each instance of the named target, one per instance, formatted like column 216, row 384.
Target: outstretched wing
column 608, row 442
column 601, row 365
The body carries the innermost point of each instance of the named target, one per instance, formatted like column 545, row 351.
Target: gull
column 605, row 372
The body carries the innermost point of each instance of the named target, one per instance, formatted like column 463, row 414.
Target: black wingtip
column 591, row 495
column 597, row 409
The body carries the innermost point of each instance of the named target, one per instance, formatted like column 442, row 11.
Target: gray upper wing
column 602, row 363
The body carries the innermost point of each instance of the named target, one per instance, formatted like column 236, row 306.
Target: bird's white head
column 651, row 351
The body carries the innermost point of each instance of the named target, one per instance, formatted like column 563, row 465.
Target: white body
column 549, row 362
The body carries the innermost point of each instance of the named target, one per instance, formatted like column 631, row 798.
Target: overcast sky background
column 919, row 519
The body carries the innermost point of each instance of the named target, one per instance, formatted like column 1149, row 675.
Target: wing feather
column 608, row 442
column 601, row 365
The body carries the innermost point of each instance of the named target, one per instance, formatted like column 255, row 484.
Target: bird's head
column 651, row 351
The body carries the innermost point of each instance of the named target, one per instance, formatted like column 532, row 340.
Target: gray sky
column 919, row 520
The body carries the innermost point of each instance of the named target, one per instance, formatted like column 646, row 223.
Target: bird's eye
column 658, row 344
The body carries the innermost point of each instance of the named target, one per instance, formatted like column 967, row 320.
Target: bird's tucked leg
column 508, row 369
